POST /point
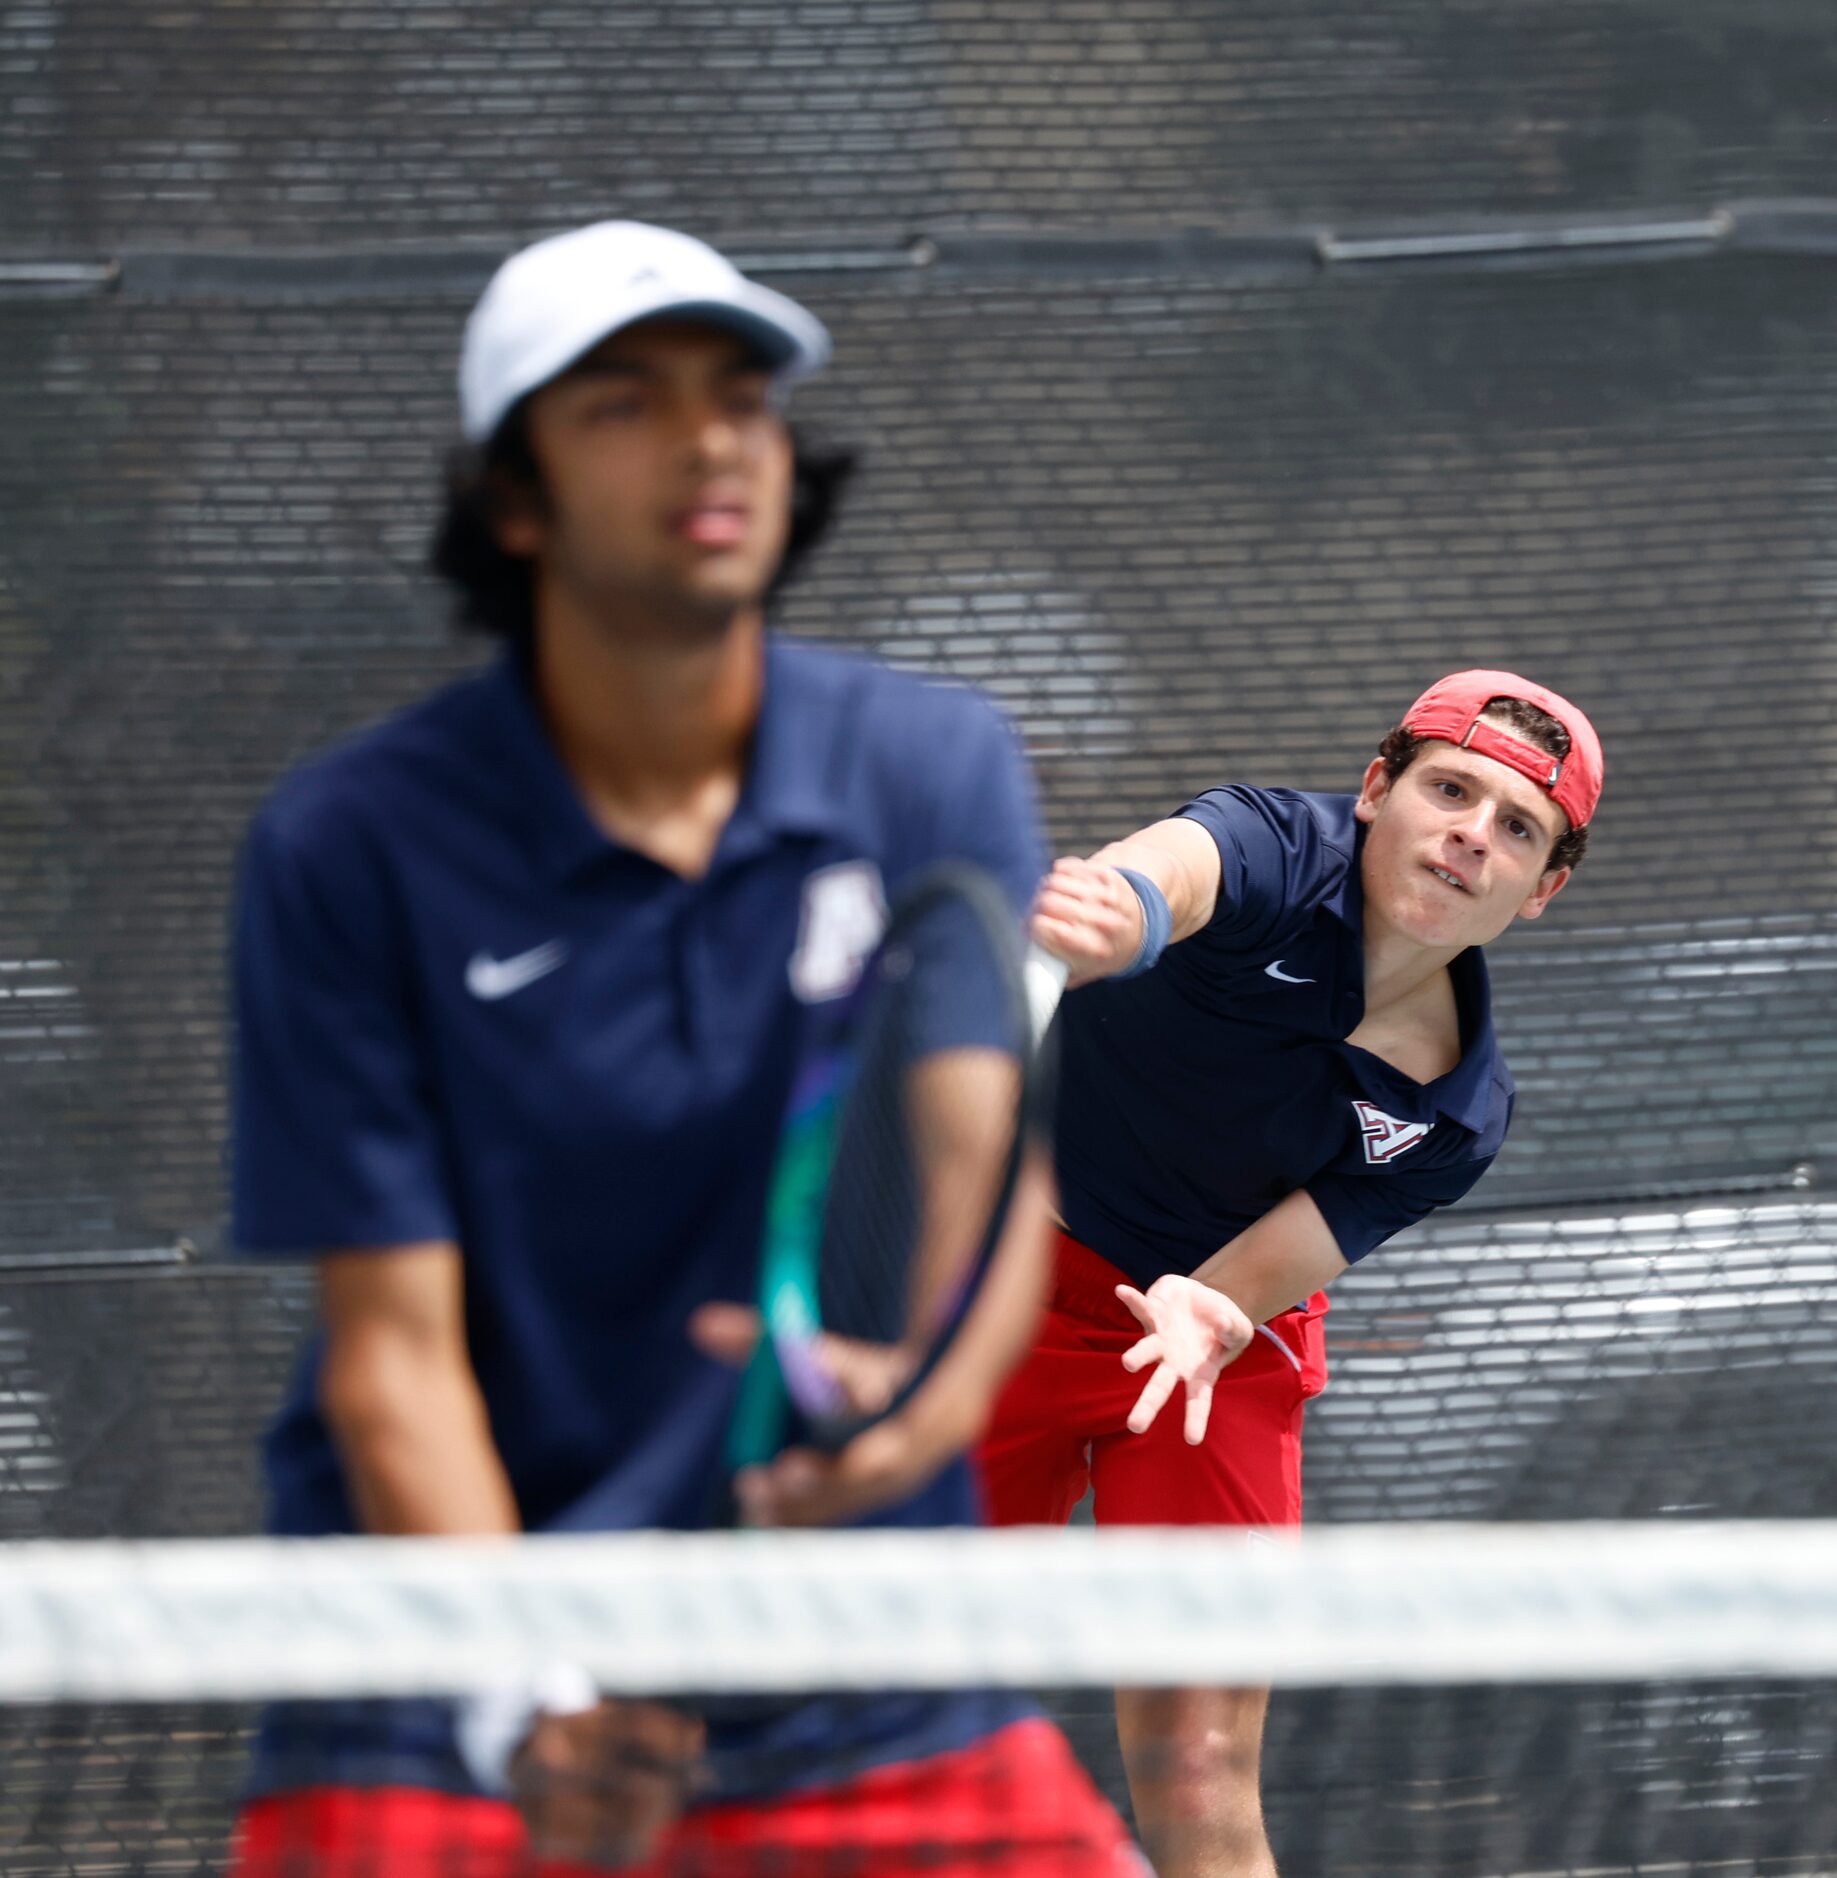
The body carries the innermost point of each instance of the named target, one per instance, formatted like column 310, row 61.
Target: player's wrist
column 490, row 1727
column 1157, row 923
column 941, row 1420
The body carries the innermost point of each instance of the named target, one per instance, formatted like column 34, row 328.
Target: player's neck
column 655, row 734
column 1397, row 967
column 1411, row 1017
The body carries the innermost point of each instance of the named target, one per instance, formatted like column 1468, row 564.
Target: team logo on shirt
column 1385, row 1136
column 845, row 912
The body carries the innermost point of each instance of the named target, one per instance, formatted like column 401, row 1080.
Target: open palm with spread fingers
column 1192, row 1333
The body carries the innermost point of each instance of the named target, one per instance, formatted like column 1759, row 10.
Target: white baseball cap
column 552, row 303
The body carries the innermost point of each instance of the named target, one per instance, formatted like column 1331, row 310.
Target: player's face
column 1458, row 847
column 666, row 469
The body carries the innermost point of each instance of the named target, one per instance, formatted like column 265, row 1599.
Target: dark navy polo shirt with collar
column 463, row 1013
column 1198, row 1095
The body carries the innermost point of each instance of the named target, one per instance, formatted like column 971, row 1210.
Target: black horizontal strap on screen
column 56, row 280
column 1553, row 238
column 98, row 1262
column 1806, row 227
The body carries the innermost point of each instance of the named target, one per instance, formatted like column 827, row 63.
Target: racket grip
column 1045, row 978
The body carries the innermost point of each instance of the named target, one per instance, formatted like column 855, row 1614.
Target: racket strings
column 926, row 1137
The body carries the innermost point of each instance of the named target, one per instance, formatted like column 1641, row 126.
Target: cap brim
column 790, row 340
column 782, row 349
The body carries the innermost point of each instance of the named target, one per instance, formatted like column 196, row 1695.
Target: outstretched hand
column 1192, row 1333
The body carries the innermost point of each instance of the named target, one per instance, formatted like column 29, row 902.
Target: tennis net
column 1451, row 1699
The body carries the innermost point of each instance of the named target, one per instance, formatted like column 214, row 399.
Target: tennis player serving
column 524, row 977
column 1278, row 1052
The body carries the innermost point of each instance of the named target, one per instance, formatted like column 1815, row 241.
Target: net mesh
column 1607, row 1780
column 1662, row 1365
column 1521, row 1700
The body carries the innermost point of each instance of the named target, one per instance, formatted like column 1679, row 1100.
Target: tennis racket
column 898, row 1162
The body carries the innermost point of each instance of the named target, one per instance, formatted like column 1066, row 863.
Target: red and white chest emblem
column 1385, row 1136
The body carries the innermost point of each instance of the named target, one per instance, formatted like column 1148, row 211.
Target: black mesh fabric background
column 1192, row 524
column 296, row 123
column 1195, row 505
column 1190, row 533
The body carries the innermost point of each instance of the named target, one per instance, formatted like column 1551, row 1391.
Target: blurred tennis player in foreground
column 521, row 976
column 1282, row 1055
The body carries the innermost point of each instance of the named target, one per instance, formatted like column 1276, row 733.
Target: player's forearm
column 416, row 1446
column 1088, row 914
column 961, row 1103
column 1182, row 860
column 1286, row 1256
column 954, row 1404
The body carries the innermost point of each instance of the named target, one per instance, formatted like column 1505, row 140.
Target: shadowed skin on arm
column 399, row 1394
column 962, row 1104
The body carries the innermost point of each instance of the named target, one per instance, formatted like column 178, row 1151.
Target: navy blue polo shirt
column 463, row 1012
column 1197, row 1096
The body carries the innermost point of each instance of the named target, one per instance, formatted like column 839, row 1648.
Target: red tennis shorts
column 1060, row 1425
column 1015, row 1803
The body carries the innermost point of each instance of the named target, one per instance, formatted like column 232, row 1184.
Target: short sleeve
column 988, row 817
column 1269, row 863
column 335, row 1140
column 1365, row 1210
column 990, row 813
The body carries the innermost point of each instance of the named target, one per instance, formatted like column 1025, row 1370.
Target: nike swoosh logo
column 1274, row 970
column 491, row 979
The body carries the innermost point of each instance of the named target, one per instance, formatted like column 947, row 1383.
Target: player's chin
column 1444, row 918
column 737, row 570
column 728, row 580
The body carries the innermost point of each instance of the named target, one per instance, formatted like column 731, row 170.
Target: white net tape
column 745, row 1612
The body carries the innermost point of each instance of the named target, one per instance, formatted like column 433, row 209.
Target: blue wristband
column 1157, row 924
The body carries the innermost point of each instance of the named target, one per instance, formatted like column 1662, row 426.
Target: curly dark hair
column 493, row 588
column 1536, row 726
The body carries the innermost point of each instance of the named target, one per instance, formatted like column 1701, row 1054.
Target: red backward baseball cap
column 1452, row 707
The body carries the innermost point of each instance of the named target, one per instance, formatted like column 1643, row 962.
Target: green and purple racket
column 897, row 1166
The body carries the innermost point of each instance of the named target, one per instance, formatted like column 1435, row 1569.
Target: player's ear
column 1549, row 884
column 516, row 517
column 1373, row 790
column 516, row 503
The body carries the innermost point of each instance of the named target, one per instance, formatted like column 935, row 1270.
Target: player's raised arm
column 1115, row 913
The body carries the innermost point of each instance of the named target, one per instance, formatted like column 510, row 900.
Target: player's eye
column 1518, row 829
column 748, row 400
column 1452, row 791
column 751, row 393
column 614, row 404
